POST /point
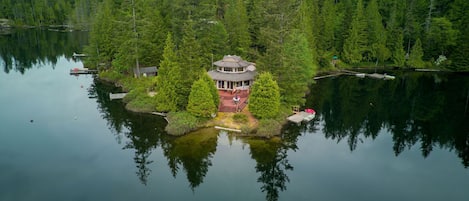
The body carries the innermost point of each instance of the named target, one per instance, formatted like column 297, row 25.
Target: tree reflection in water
column 417, row 107
column 427, row 110
column 22, row 49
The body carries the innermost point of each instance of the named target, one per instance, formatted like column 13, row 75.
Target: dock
column 300, row 116
column 78, row 71
column 326, row 76
column 78, row 55
column 381, row 76
column 117, row 96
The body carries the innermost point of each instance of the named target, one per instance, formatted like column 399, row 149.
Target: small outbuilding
column 145, row 71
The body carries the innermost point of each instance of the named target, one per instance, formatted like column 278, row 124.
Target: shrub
column 240, row 118
column 246, row 129
column 180, row 123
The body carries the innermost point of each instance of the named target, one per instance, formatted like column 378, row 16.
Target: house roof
column 151, row 69
column 232, row 61
column 234, row 77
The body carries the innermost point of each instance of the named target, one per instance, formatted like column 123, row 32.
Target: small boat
column 310, row 114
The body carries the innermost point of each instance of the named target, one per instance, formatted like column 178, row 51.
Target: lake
column 61, row 138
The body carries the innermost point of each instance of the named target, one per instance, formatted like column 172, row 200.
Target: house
column 233, row 73
column 233, row 77
column 146, row 71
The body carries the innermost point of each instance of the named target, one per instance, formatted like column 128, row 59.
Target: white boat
column 309, row 117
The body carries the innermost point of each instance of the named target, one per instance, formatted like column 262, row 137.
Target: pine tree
column 397, row 48
column 376, row 34
column 298, row 68
column 213, row 88
column 356, row 41
column 237, row 26
column 308, row 23
column 200, row 100
column 102, row 46
column 329, row 18
column 416, row 54
column 168, row 80
column 264, row 101
column 190, row 60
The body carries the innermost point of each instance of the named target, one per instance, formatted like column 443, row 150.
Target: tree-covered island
column 288, row 40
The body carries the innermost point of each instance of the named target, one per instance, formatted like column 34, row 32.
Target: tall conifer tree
column 356, row 41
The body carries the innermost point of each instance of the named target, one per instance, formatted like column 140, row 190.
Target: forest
column 414, row 33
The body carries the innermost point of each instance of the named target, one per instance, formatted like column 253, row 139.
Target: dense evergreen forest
column 414, row 33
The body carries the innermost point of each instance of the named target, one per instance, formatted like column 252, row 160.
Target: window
column 240, row 69
column 246, row 83
column 228, row 69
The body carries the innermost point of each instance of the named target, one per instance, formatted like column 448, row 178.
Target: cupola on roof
column 232, row 61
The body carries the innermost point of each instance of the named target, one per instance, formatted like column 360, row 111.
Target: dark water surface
column 61, row 138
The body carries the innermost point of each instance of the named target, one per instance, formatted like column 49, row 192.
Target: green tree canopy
column 200, row 100
column 416, row 54
column 168, row 80
column 264, row 101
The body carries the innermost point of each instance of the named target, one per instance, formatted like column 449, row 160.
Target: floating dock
column 117, row 96
column 78, row 71
column 381, row 76
column 301, row 116
column 78, row 55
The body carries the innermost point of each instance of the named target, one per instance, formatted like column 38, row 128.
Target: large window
column 228, row 69
column 240, row 69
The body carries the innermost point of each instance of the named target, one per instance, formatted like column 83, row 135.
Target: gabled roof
column 232, row 61
column 234, row 77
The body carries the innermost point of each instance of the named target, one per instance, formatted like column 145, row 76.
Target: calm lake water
column 61, row 138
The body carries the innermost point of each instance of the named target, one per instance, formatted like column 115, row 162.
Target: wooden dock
column 326, row 76
column 78, row 71
column 117, row 96
column 298, row 117
column 381, row 76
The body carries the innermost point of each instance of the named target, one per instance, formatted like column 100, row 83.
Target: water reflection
column 22, row 49
column 418, row 108
column 193, row 153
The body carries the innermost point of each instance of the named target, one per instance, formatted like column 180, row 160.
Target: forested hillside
column 413, row 33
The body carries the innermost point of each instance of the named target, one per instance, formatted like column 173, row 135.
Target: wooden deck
column 78, row 71
column 298, row 117
column 228, row 105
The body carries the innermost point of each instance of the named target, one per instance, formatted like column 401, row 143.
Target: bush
column 240, row 118
column 246, row 129
column 180, row 123
column 269, row 127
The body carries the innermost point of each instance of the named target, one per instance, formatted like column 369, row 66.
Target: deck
column 78, row 71
column 298, row 117
column 228, row 105
column 117, row 96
